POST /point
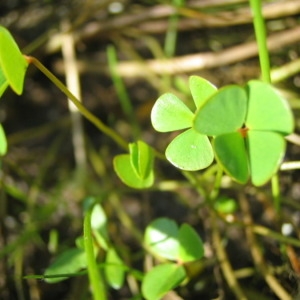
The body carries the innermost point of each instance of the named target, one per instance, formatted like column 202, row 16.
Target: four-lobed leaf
column 248, row 126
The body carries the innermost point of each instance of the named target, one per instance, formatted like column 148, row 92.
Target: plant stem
column 91, row 117
column 94, row 275
column 261, row 38
column 121, row 90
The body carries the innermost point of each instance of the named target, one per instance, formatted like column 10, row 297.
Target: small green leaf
column 224, row 112
column 3, row 141
column 230, row 151
column 161, row 237
column 123, row 167
column 161, row 279
column 225, row 205
column 190, row 244
column 68, row 262
column 267, row 110
column 190, row 151
column 114, row 269
column 3, row 82
column 99, row 226
column 201, row 89
column 141, row 158
column 266, row 150
column 169, row 113
column 12, row 62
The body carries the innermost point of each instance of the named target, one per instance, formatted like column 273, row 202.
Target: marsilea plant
column 242, row 127
column 247, row 126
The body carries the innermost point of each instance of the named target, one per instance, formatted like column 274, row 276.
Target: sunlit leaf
column 267, row 110
column 161, row 279
column 3, row 141
column 190, row 244
column 68, row 262
column 161, row 236
column 169, row 113
column 231, row 153
column 114, row 269
column 123, row 167
column 224, row 112
column 225, row 205
column 141, row 156
column 99, row 226
column 201, row 89
column 190, row 151
column 3, row 82
column 266, row 151
column 12, row 62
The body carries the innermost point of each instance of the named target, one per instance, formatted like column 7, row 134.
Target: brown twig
column 196, row 62
column 257, row 255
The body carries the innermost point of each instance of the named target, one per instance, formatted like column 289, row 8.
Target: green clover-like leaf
column 169, row 113
column 114, row 269
column 224, row 112
column 161, row 236
column 248, row 126
column 201, row 89
column 267, row 110
column 3, row 82
column 190, row 151
column 136, row 168
column 13, row 64
column 161, row 279
column 190, row 244
column 231, row 154
column 266, row 150
column 3, row 141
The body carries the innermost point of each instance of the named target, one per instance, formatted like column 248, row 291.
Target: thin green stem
column 261, row 38
column 121, row 90
column 96, row 281
column 260, row 33
column 171, row 36
column 91, row 117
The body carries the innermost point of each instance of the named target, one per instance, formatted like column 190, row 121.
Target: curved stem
column 91, row 117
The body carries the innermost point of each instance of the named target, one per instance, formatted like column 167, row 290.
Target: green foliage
column 68, row 262
column 248, row 131
column 165, row 239
column 247, row 125
column 225, row 205
column 161, row 236
column 161, row 279
column 3, row 141
column 114, row 269
column 189, row 150
column 13, row 64
column 136, row 168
